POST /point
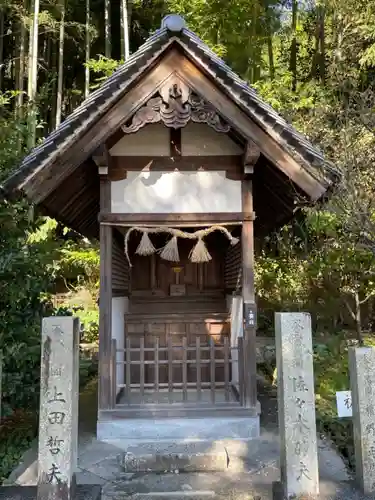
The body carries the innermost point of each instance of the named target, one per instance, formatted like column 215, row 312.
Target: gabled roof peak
column 52, row 156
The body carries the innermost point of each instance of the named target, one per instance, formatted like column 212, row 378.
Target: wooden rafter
column 250, row 157
column 102, row 159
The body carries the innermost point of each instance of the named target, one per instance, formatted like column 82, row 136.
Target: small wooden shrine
column 177, row 166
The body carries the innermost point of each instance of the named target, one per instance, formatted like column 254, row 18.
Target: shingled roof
column 309, row 156
column 174, row 31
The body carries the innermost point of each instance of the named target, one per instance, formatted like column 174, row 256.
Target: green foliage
column 331, row 375
column 32, row 260
column 80, row 262
column 321, row 262
column 26, row 273
column 79, row 267
column 16, row 436
column 18, row 431
column 103, row 67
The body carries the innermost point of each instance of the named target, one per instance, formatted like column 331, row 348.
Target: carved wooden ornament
column 175, row 106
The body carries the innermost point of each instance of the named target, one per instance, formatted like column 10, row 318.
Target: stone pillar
column 58, row 419
column 1, row 382
column 296, row 405
column 362, row 381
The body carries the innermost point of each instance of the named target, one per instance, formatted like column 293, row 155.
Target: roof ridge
column 242, row 93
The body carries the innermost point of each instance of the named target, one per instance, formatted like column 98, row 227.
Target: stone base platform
column 179, row 444
column 83, row 492
column 136, row 430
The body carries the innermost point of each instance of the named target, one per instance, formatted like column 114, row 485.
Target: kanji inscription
column 362, row 381
column 58, row 421
column 296, row 400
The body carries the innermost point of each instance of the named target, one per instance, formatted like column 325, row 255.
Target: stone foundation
column 178, row 429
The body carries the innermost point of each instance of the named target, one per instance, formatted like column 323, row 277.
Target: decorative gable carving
column 175, row 106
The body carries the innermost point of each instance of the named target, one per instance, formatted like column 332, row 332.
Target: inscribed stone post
column 296, row 405
column 362, row 381
column 1, row 382
column 58, row 420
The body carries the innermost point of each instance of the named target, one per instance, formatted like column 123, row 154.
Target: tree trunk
column 33, row 76
column 125, row 23
column 49, row 67
column 322, row 54
column 122, row 31
column 293, row 48
column 358, row 319
column 1, row 46
column 271, row 63
column 54, row 59
column 257, row 63
column 60, row 77
column 30, row 49
column 254, row 71
column 338, row 37
column 315, row 57
column 87, row 69
column 21, row 64
column 107, row 28
column 318, row 69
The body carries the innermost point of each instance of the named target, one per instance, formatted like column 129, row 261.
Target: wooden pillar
column 248, row 294
column 105, row 302
column 153, row 280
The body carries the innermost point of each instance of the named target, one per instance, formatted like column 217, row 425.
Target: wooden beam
column 238, row 119
column 248, row 294
column 100, row 156
column 102, row 159
column 105, row 317
column 46, row 178
column 120, row 165
column 165, row 219
column 105, row 195
column 251, row 156
column 175, row 142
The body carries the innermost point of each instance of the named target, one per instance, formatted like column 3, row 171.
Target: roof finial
column 173, row 22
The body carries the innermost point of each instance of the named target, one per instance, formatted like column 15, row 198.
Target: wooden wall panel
column 233, row 268
column 120, row 270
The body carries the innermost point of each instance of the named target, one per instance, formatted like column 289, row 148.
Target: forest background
column 313, row 61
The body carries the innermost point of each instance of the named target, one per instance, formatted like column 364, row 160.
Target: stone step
column 175, row 457
column 196, row 495
column 175, row 462
column 189, row 486
column 175, row 495
column 191, row 457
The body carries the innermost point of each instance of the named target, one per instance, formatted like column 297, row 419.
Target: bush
column 17, row 431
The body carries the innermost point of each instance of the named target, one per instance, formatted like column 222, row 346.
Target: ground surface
column 249, row 476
